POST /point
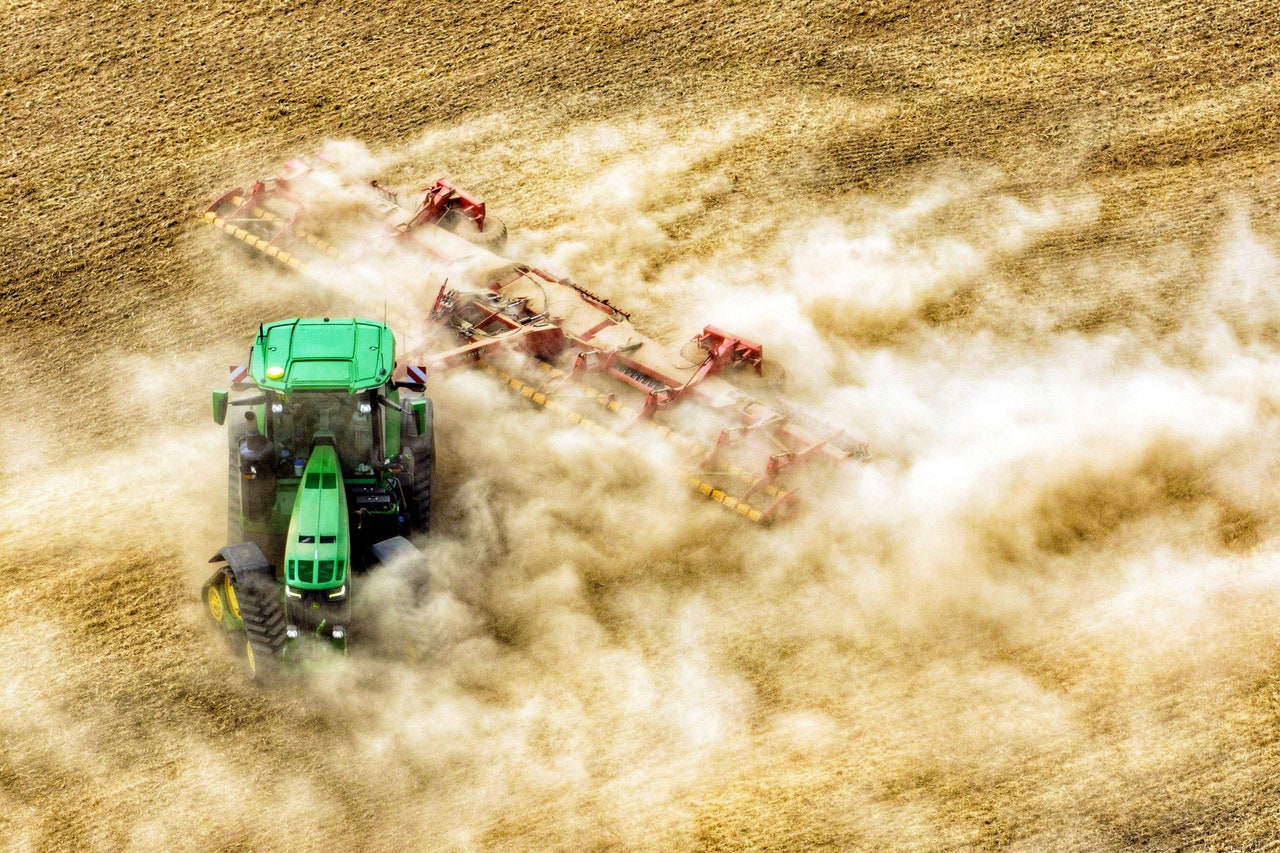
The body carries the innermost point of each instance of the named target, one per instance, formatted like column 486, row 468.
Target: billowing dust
column 1042, row 617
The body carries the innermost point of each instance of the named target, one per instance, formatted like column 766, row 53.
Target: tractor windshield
column 349, row 419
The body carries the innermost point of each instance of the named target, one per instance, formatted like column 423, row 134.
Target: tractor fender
column 397, row 549
column 261, row 610
column 391, row 550
column 244, row 560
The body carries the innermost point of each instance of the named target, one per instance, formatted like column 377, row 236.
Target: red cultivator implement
column 561, row 346
column 270, row 215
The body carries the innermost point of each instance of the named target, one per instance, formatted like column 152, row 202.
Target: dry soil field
column 1028, row 249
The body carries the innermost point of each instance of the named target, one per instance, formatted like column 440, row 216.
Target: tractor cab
column 323, row 377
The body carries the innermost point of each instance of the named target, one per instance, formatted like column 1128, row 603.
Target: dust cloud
column 1051, row 587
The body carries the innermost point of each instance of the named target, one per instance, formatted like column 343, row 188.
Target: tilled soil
column 1027, row 249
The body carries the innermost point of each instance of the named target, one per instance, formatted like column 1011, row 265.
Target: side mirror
column 419, row 409
column 219, row 407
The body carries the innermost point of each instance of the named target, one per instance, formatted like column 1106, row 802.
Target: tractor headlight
column 340, row 592
column 291, row 592
column 291, row 631
column 277, row 407
column 338, row 632
column 365, row 408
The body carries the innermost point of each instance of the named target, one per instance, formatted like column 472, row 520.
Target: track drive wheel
column 229, row 594
column 220, row 598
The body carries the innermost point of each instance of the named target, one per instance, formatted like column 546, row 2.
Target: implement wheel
column 493, row 236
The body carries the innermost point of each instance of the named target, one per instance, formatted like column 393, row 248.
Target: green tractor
column 329, row 470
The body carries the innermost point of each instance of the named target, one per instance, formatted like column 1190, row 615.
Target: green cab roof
column 300, row 354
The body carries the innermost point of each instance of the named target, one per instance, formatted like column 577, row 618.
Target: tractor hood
column 318, row 548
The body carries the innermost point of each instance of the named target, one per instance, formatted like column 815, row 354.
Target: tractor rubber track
column 422, row 448
column 423, row 463
column 262, row 614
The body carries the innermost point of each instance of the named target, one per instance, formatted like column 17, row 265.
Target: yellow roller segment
column 214, row 599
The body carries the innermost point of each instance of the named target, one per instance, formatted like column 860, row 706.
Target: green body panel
column 281, row 511
column 349, row 355
column 419, row 409
column 318, row 545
